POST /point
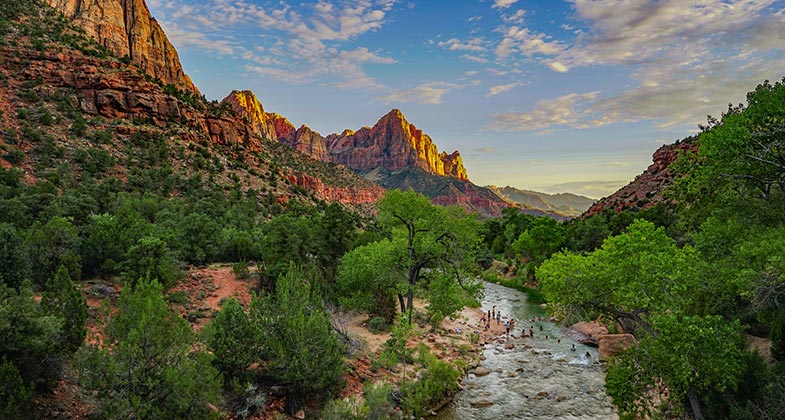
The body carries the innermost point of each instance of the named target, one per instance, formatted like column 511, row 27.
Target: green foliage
column 30, row 337
column 150, row 259
column 148, row 367
column 233, row 339
column 378, row 325
column 16, row 401
column 14, row 265
column 374, row 405
column 368, row 278
column 395, row 350
column 62, row 299
column 424, row 236
column 51, row 245
column 303, row 351
column 250, row 399
column 438, row 382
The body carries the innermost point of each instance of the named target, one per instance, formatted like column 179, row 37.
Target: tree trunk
column 402, row 303
column 410, row 299
column 695, row 403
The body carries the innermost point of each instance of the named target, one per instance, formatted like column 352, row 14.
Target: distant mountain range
column 567, row 204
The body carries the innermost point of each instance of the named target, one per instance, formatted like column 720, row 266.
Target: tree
column 542, row 238
column 233, row 338
column 30, row 338
column 425, row 237
column 62, row 299
column 16, row 400
column 303, row 350
column 150, row 259
column 51, row 245
column 369, row 278
column 148, row 367
column 104, row 245
column 14, row 265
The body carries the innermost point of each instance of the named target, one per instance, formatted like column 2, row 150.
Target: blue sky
column 545, row 95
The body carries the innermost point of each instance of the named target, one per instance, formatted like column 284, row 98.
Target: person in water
column 573, row 347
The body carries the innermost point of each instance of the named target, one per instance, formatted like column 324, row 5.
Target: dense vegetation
column 689, row 288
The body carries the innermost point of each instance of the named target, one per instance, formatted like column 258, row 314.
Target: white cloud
column 453, row 44
column 503, row 4
column 311, row 40
column 499, row 89
column 557, row 66
column 474, row 58
column 568, row 110
column 427, row 93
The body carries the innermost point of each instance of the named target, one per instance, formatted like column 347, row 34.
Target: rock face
column 392, row 143
column 587, row 333
column 126, row 28
column 647, row 189
column 247, row 106
column 613, row 344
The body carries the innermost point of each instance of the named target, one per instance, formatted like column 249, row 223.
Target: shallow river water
column 547, row 380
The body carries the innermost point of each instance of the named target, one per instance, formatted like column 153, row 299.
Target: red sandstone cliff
column 250, row 110
column 647, row 189
column 393, row 143
column 126, row 28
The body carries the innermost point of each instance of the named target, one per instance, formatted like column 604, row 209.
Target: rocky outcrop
column 393, row 143
column 247, row 106
column 614, row 344
column 587, row 333
column 647, row 189
column 127, row 29
column 343, row 195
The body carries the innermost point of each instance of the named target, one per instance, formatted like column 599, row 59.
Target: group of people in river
column 509, row 325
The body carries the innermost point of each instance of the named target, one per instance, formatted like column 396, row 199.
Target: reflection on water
column 537, row 379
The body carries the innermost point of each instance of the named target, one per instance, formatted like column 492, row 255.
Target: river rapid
column 539, row 378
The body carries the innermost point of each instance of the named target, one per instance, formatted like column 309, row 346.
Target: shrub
column 148, row 364
column 378, row 325
column 439, row 382
column 304, row 352
column 62, row 299
column 16, row 401
column 233, row 339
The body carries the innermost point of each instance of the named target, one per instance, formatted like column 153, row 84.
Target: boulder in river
column 482, row 402
column 480, row 371
column 613, row 344
column 587, row 333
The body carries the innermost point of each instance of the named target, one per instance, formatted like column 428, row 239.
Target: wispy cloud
column 499, row 89
column 486, row 149
column 453, row 44
column 474, row 58
column 615, row 164
column 427, row 93
column 503, row 4
column 303, row 44
column 568, row 110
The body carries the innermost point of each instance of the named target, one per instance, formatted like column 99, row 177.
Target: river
column 537, row 379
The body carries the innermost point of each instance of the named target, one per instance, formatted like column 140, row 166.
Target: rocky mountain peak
column 127, row 29
column 247, row 106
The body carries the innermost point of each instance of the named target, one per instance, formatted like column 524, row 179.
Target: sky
column 553, row 96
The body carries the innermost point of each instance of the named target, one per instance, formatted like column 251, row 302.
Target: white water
column 570, row 385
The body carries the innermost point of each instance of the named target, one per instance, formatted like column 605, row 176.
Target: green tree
column 104, row 245
column 16, row 400
column 30, row 337
column 148, row 366
column 369, row 278
column 150, row 259
column 14, row 265
column 303, row 350
column 51, row 245
column 233, row 338
column 543, row 238
column 62, row 299
column 428, row 237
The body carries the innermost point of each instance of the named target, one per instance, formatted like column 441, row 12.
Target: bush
column 233, row 339
column 16, row 401
column 148, row 364
column 62, row 299
column 304, row 352
column 378, row 325
column 439, row 382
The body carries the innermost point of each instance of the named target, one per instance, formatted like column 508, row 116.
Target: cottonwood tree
column 427, row 241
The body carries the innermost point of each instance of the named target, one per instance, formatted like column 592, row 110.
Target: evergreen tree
column 233, row 339
column 304, row 352
column 14, row 265
column 62, row 299
column 148, row 367
column 16, row 401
